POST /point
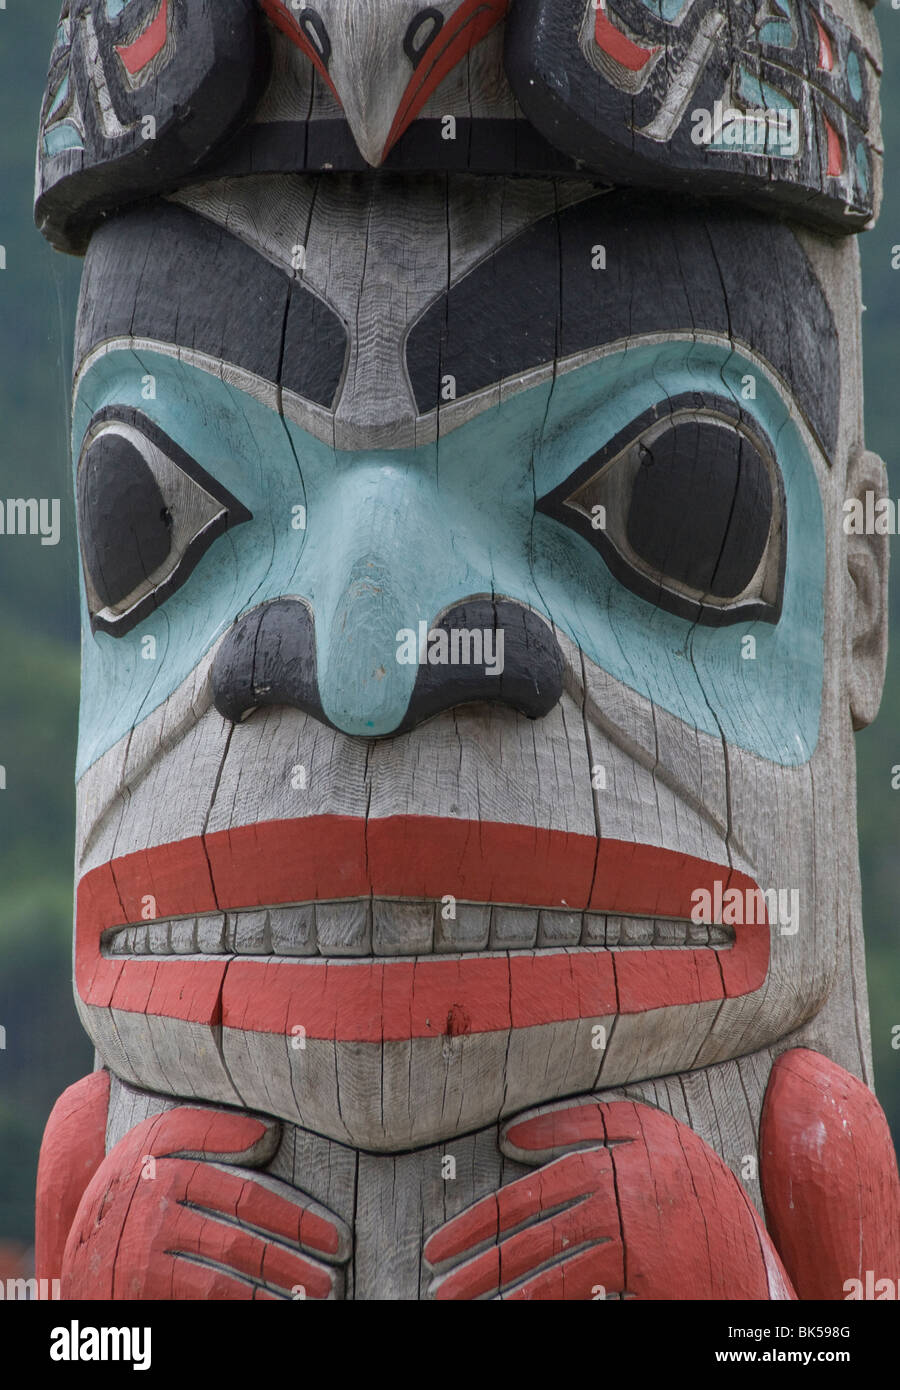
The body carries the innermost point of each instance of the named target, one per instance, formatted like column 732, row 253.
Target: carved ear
column 867, row 564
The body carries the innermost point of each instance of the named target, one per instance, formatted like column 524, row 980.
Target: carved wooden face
column 456, row 561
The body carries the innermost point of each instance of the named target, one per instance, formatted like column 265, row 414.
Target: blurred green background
column 45, row 1046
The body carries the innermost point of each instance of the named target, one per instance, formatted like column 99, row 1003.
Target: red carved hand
column 175, row 1212
column 625, row 1202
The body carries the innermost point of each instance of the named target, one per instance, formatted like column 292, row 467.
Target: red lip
column 329, row 857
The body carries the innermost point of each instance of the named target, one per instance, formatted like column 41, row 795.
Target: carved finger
column 554, row 1187
column 590, row 1224
column 270, row 1206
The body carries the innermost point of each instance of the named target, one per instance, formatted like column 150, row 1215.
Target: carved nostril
column 314, row 31
column 423, row 30
column 521, row 666
column 268, row 658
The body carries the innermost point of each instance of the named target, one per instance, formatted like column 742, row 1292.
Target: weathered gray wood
column 461, row 910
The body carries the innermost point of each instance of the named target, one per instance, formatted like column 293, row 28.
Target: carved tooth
column 636, row 931
column 613, row 930
column 141, row 940
column 513, row 927
column 158, row 938
column 594, row 929
column 402, row 929
column 559, row 928
column 251, row 933
column 344, row 928
column 211, row 934
column 669, row 933
column 469, row 930
column 697, row 934
column 293, row 930
column 183, row 936
column 719, row 935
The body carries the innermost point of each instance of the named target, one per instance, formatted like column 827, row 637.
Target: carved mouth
column 352, row 936
column 385, row 927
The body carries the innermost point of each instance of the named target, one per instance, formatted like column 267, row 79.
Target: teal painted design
column 395, row 536
column 115, row 7
column 759, row 94
column 64, row 136
column 854, row 76
column 759, row 136
column 669, row 10
column 780, row 33
column 59, row 99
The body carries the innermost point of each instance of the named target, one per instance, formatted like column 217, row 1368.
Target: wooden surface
column 536, row 87
column 72, row 1150
column 393, row 967
column 829, row 1179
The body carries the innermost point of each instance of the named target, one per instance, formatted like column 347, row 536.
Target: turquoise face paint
column 393, row 537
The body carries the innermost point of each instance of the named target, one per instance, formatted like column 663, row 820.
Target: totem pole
column 466, row 399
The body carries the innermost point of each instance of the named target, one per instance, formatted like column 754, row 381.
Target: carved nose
column 481, row 650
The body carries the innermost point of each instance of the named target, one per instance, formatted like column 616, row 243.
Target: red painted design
column 135, row 1228
column 826, row 53
column 623, row 50
column 835, row 151
column 461, row 31
column 72, row 1150
column 285, row 19
column 646, row 1208
column 137, row 55
column 333, row 857
column 829, row 1177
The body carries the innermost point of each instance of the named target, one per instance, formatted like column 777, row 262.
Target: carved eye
column 688, row 512
column 146, row 513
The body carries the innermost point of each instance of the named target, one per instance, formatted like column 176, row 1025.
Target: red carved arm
column 829, row 1178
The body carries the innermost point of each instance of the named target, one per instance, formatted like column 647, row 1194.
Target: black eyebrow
column 671, row 266
column 166, row 273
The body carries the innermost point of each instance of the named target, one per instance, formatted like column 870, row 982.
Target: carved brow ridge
column 231, row 302
column 679, row 267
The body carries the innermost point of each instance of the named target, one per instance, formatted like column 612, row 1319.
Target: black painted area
column 163, row 272
column 481, row 147
column 678, row 266
column 269, row 658
column 532, row 677
column 701, row 507
column 122, row 516
column 315, row 348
